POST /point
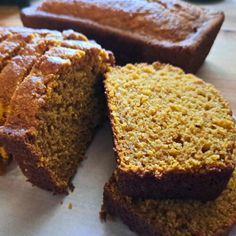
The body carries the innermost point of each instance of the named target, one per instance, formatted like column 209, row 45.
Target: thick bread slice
column 174, row 134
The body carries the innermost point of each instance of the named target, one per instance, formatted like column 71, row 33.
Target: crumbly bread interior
column 178, row 218
column 74, row 107
column 165, row 120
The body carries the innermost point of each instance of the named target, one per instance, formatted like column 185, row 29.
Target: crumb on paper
column 70, row 206
column 2, row 169
column 71, row 187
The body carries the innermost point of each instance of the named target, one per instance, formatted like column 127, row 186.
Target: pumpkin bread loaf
column 174, row 134
column 54, row 110
column 169, row 31
column 173, row 217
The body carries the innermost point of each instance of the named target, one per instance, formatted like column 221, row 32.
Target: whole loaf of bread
column 136, row 30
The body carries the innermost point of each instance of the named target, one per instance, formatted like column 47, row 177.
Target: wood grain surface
column 219, row 67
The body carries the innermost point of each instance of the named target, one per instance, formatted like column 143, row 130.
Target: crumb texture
column 164, row 120
column 73, row 110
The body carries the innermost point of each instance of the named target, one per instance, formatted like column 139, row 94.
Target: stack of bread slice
column 174, row 139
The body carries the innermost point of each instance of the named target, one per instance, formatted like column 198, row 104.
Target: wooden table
column 219, row 67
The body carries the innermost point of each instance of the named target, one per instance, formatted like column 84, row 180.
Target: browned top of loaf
column 54, row 34
column 163, row 20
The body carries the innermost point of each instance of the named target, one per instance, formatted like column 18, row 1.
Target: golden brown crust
column 183, row 33
column 11, row 45
column 66, row 34
column 105, row 13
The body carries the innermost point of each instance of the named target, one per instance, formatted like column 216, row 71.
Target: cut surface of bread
column 173, row 217
column 55, row 109
column 174, row 134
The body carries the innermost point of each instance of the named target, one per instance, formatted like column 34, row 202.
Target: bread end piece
column 162, row 151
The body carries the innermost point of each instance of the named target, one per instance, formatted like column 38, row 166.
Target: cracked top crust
column 151, row 19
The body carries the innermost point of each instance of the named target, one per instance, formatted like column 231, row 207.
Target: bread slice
column 20, row 48
column 54, row 111
column 173, row 217
column 174, row 134
column 173, row 32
